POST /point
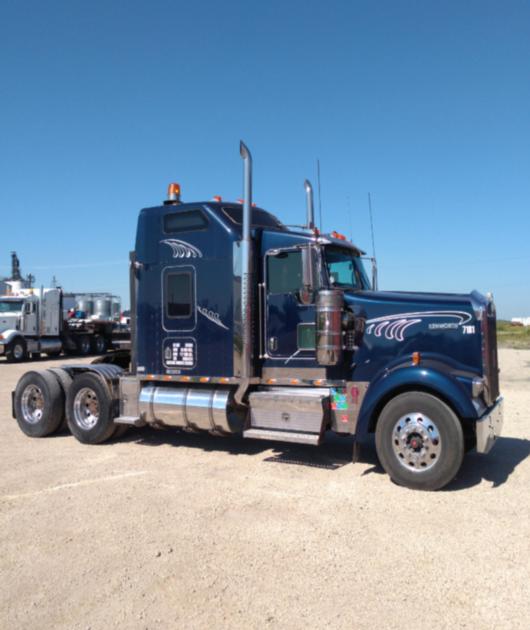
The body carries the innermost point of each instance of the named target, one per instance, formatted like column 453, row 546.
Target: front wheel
column 17, row 351
column 419, row 441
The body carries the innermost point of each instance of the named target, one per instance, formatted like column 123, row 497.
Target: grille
column 492, row 364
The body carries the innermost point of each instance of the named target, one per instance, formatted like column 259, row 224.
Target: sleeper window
column 187, row 221
column 179, row 294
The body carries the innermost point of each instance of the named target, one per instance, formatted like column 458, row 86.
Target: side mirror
column 308, row 275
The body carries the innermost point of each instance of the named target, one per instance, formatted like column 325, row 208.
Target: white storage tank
column 85, row 304
column 116, row 307
column 102, row 307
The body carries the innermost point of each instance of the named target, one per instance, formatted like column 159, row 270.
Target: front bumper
column 489, row 427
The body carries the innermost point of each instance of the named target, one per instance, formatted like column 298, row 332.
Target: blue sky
column 425, row 104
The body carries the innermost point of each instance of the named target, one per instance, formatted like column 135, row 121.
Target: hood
column 9, row 321
column 443, row 326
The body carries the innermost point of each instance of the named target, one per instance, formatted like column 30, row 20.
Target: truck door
column 289, row 323
column 30, row 317
column 179, row 317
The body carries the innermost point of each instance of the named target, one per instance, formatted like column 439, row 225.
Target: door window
column 284, row 273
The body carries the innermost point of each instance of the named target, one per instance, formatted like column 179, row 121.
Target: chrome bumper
column 489, row 427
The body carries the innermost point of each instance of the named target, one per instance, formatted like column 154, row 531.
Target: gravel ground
column 169, row 530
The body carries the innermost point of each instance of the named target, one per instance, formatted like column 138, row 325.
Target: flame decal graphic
column 181, row 249
column 212, row 316
column 393, row 327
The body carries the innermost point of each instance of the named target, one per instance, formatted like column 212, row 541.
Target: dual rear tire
column 90, row 409
column 48, row 399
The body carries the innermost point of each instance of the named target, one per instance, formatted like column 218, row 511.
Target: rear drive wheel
column 419, row 441
column 99, row 344
column 39, row 403
column 90, row 411
column 17, row 350
column 82, row 344
column 65, row 380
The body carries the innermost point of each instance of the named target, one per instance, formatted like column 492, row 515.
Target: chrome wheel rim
column 416, row 442
column 18, row 351
column 86, row 408
column 32, row 404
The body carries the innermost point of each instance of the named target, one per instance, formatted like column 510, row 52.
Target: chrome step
column 283, row 436
column 133, row 421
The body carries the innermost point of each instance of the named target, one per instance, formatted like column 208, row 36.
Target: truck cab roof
column 196, row 216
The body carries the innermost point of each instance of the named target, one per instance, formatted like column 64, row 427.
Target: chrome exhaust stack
column 310, row 205
column 246, row 266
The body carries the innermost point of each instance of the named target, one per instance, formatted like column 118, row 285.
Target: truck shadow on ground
column 495, row 467
column 336, row 452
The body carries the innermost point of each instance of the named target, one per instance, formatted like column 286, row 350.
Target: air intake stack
column 246, row 266
column 310, row 205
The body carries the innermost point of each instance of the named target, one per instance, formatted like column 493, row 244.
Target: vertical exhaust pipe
column 310, row 204
column 246, row 266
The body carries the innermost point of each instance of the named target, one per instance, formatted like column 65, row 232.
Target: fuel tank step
column 283, row 436
column 133, row 421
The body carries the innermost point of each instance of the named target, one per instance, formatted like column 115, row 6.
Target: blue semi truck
column 242, row 325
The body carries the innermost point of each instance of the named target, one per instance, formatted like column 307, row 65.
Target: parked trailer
column 35, row 321
column 241, row 325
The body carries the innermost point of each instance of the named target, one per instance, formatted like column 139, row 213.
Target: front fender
column 410, row 378
column 7, row 336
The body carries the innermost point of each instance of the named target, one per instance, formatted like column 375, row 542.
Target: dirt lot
column 173, row 530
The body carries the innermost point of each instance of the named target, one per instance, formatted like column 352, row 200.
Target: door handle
column 273, row 344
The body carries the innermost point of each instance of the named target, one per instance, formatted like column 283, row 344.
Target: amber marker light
column 173, row 192
column 217, row 198
column 416, row 358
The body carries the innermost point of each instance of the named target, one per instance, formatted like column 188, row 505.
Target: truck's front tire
column 419, row 441
column 90, row 410
column 17, row 350
column 39, row 404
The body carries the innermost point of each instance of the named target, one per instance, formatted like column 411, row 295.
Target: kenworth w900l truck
column 241, row 325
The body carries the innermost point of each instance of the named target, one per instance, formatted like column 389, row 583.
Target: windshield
column 345, row 269
column 11, row 306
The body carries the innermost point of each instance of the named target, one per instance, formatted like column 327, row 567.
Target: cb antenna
column 371, row 223
column 319, row 197
column 348, row 205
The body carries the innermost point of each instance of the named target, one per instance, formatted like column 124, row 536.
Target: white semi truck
column 35, row 321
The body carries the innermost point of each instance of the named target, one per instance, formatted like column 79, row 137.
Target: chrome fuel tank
column 206, row 409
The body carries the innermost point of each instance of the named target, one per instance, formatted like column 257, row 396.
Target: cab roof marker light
column 217, row 198
column 173, row 194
